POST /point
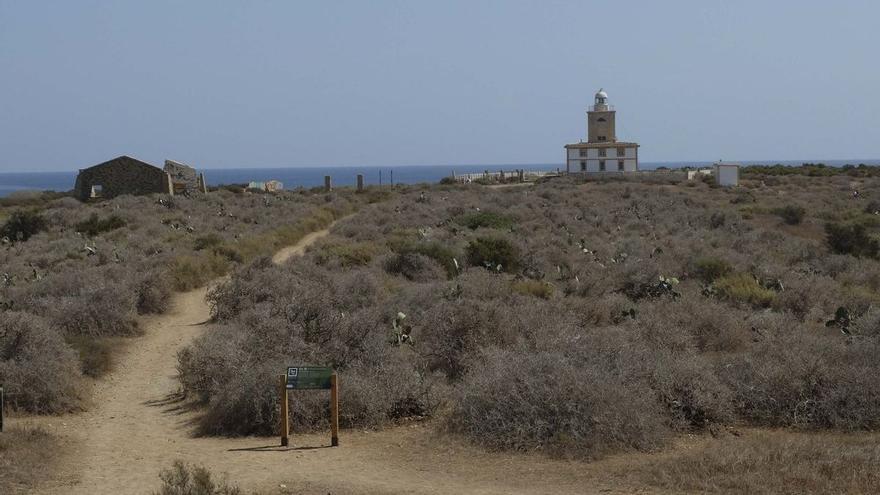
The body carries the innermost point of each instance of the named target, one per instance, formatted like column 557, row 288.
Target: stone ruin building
column 127, row 175
column 184, row 178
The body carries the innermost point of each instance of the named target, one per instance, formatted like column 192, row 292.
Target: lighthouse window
column 602, row 152
column 620, row 166
column 583, row 165
column 601, row 165
column 583, row 152
column 601, row 119
column 621, row 151
column 601, row 138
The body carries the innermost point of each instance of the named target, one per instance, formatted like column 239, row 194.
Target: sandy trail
column 138, row 425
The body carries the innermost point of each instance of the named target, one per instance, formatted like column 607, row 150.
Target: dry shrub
column 301, row 317
column 153, row 293
column 771, row 463
column 96, row 355
column 228, row 299
column 413, row 266
column 682, row 358
column 457, row 331
column 485, row 219
column 347, row 254
column 686, row 385
column 183, row 479
column 22, row 225
column 95, row 225
column 31, row 381
column 540, row 400
column 806, row 380
column 852, row 238
column 443, row 255
column 190, row 271
column 101, row 310
column 804, row 294
column 709, row 269
column 791, row 214
column 709, row 325
column 535, row 288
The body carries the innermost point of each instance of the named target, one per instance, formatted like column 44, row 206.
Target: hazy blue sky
column 238, row 84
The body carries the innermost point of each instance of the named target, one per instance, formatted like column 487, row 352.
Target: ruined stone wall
column 123, row 175
column 184, row 177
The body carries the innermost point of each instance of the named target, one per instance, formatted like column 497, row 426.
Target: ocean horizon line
column 491, row 166
column 295, row 177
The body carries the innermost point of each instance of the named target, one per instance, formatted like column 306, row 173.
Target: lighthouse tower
column 602, row 152
column 600, row 120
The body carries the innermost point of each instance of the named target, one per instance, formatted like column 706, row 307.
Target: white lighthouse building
column 602, row 152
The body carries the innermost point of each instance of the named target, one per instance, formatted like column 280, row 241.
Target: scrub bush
column 153, row 293
column 183, row 479
column 534, row 288
column 443, row 255
column 540, row 400
column 710, row 269
column 413, row 266
column 39, row 372
column 791, row 214
column 485, row 219
column 22, row 225
column 852, row 238
column 667, row 320
column 493, row 253
column 95, row 225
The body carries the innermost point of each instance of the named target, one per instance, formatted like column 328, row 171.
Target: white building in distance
column 727, row 174
column 602, row 152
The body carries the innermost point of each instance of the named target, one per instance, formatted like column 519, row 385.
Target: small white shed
column 693, row 174
column 727, row 174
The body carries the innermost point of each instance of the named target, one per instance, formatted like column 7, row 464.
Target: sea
column 294, row 177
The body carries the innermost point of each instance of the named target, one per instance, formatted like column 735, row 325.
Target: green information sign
column 308, row 377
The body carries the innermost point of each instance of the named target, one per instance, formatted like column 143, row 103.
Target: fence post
column 1, row 408
column 327, row 184
column 360, row 182
column 285, row 419
column 334, row 410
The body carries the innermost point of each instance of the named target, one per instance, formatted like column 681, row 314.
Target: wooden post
column 360, row 182
column 285, row 419
column 327, row 184
column 334, row 410
column 1, row 408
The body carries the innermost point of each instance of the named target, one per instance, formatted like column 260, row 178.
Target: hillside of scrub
column 75, row 276
column 576, row 318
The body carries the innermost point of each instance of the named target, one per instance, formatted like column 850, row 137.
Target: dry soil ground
column 138, row 425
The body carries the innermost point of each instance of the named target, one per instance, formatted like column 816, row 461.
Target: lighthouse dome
column 601, row 94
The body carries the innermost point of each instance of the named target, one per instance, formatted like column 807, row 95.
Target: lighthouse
column 601, row 152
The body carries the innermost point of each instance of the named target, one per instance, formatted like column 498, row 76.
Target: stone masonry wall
column 184, row 177
column 123, row 175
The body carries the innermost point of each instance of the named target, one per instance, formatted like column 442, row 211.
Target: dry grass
column 27, row 456
column 772, row 462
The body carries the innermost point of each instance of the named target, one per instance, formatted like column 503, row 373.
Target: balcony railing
column 595, row 108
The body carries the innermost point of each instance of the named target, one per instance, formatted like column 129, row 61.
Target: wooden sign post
column 334, row 410
column 310, row 378
column 285, row 414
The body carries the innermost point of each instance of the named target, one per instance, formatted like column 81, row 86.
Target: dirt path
column 137, row 426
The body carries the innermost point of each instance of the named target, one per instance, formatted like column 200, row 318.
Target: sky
column 222, row 84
